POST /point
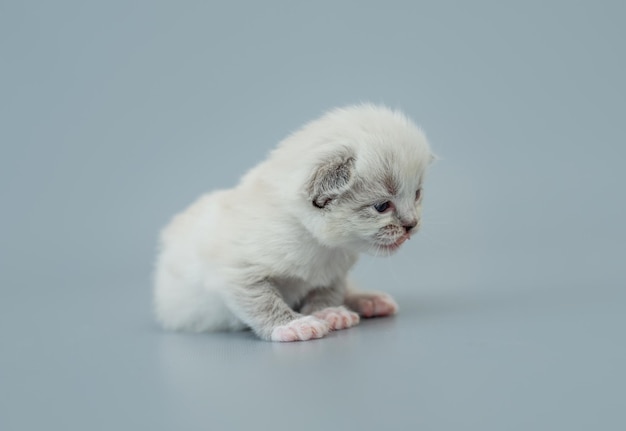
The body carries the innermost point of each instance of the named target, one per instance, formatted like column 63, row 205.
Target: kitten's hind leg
column 263, row 309
column 325, row 304
column 370, row 304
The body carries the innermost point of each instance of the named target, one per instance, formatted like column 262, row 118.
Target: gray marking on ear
column 332, row 178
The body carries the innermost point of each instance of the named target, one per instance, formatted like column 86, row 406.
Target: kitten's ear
column 331, row 178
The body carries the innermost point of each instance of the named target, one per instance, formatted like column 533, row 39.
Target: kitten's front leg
column 370, row 304
column 262, row 308
column 326, row 304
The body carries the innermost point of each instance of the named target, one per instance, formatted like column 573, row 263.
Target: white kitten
column 273, row 253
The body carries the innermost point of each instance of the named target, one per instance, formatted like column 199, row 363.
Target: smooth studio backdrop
column 115, row 115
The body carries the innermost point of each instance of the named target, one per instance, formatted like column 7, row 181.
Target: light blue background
column 114, row 115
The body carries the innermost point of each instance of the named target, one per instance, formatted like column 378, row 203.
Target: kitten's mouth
column 395, row 245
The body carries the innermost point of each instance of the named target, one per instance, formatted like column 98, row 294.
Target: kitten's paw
column 372, row 304
column 302, row 329
column 338, row 317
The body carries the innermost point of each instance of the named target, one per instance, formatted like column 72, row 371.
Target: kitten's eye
column 382, row 207
column 418, row 193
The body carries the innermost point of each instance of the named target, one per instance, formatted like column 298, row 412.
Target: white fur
column 266, row 228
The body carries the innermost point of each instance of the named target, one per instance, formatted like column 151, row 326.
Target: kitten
column 273, row 253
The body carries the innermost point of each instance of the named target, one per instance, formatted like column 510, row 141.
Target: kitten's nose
column 409, row 227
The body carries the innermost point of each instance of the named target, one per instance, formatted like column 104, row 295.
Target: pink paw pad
column 338, row 317
column 302, row 329
column 376, row 305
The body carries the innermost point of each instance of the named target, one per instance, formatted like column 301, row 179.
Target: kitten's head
column 366, row 189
